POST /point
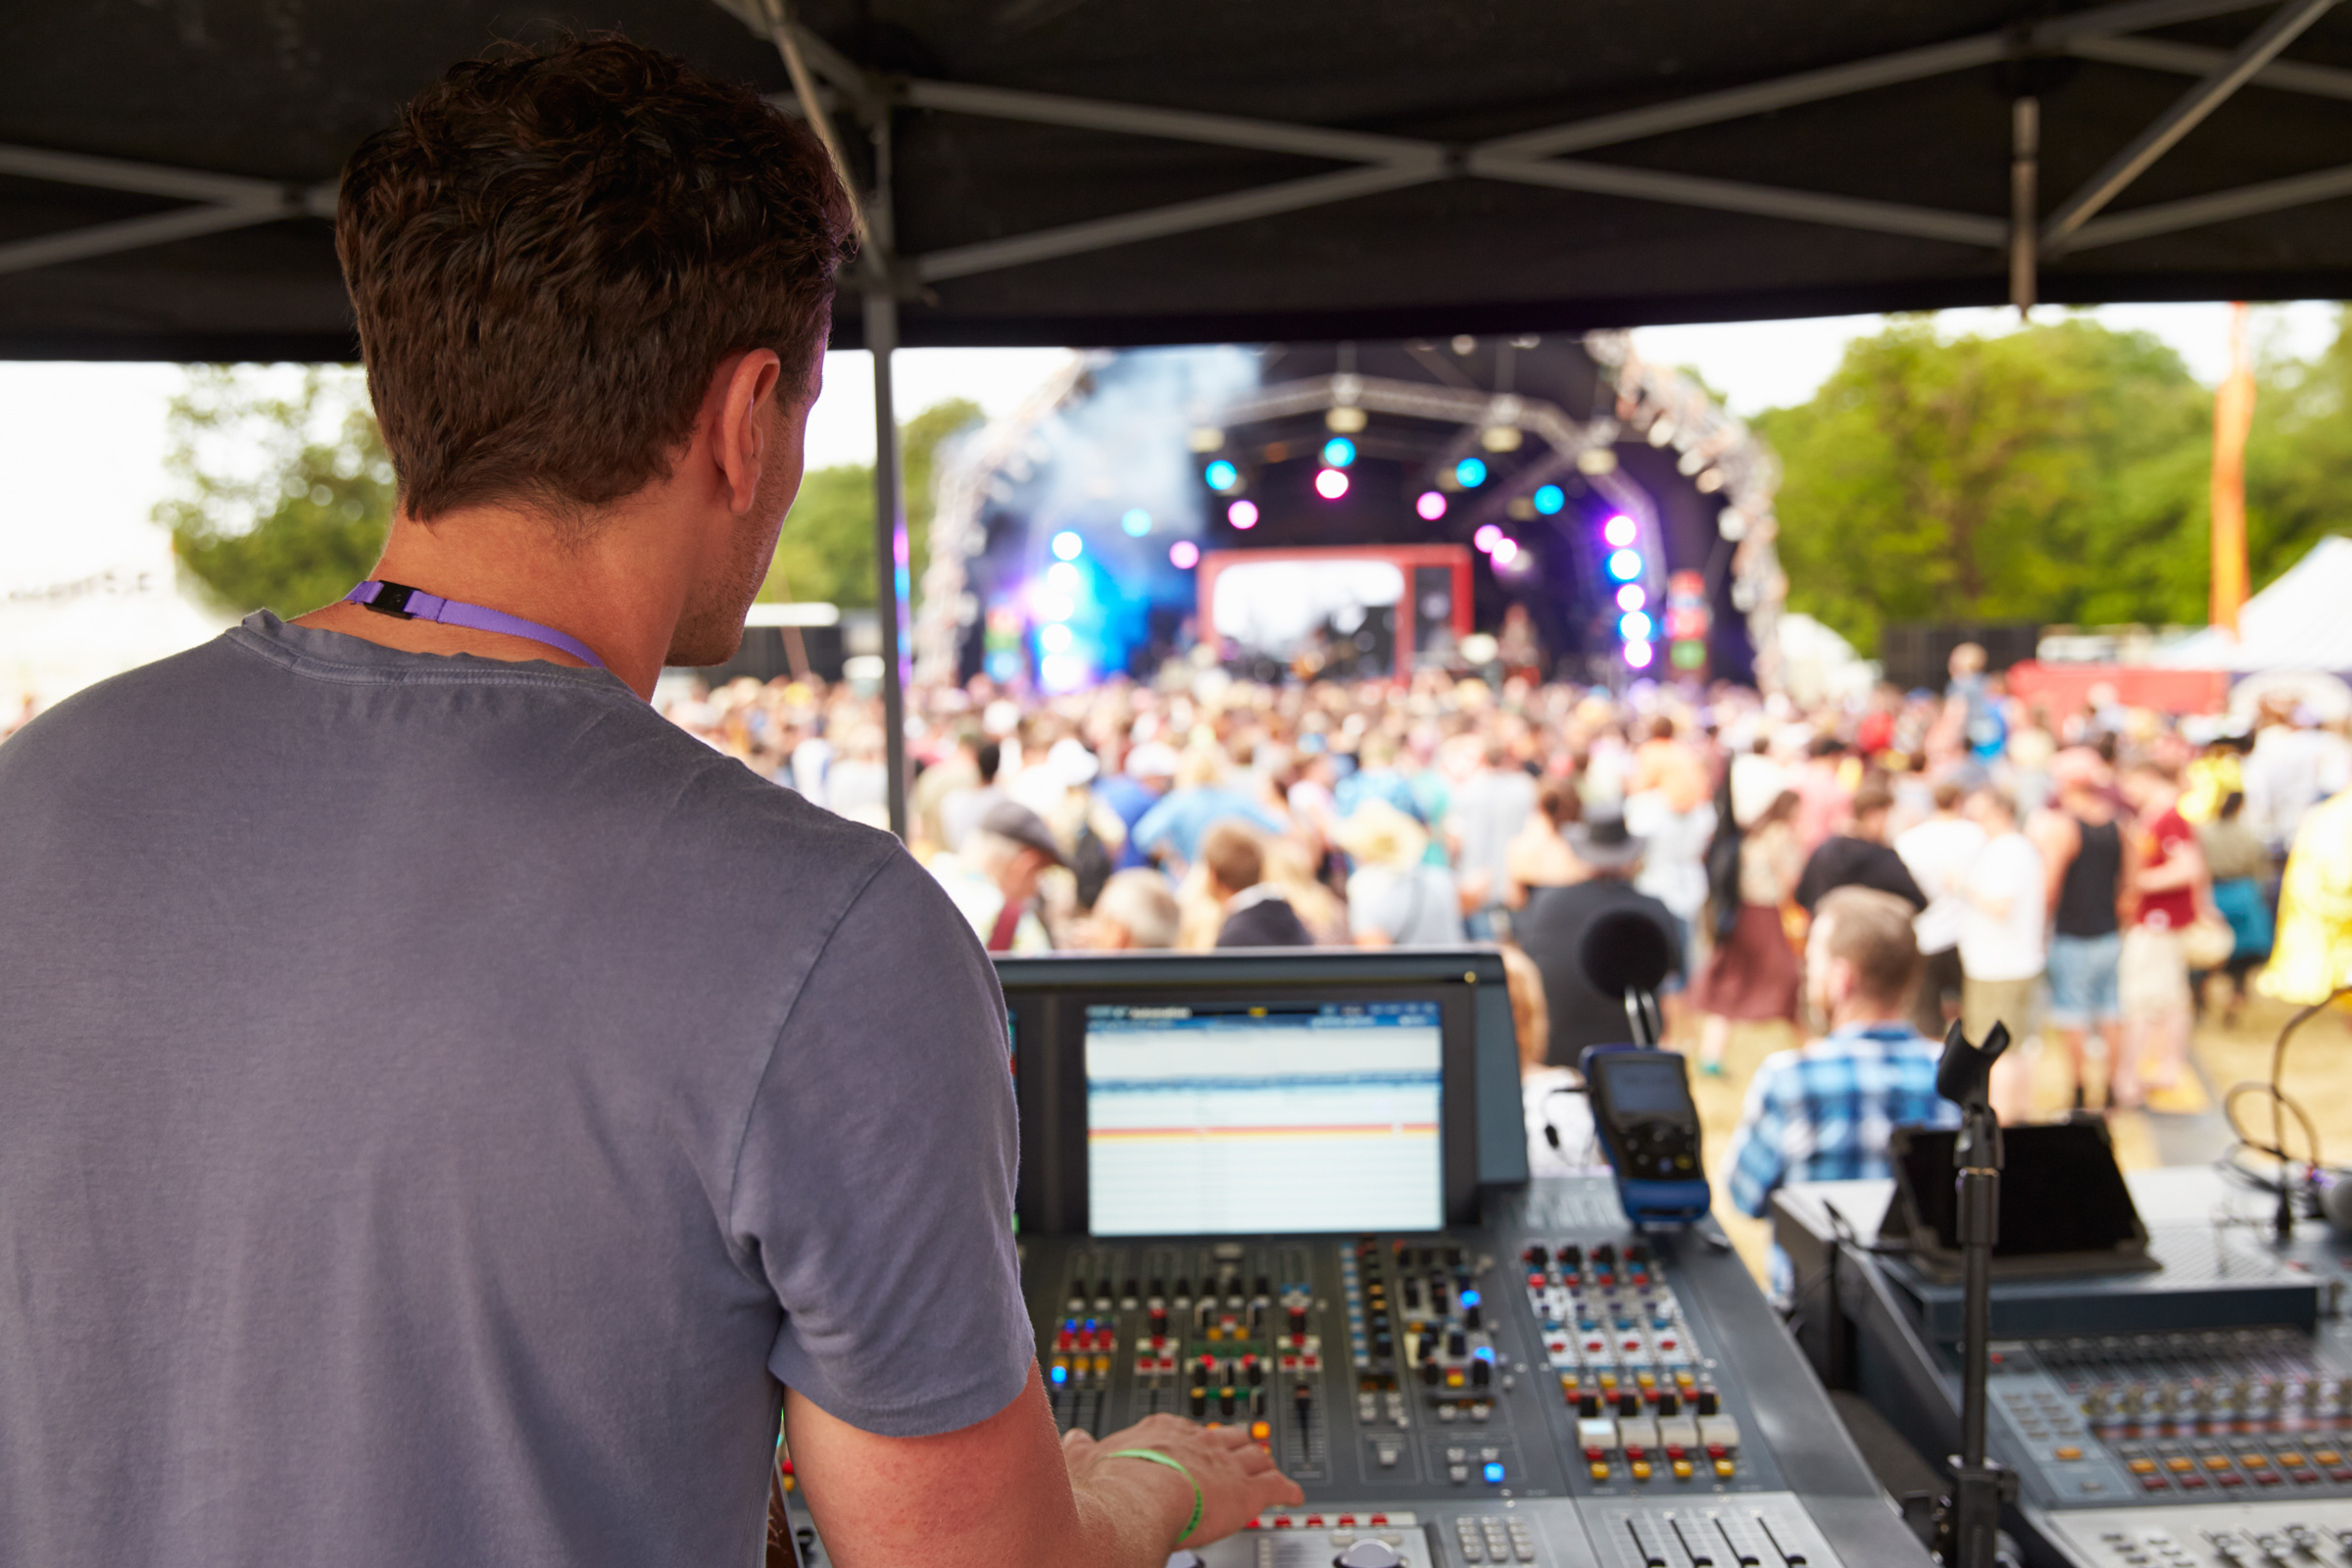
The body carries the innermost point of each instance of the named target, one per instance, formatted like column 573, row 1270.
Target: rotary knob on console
column 1368, row 1554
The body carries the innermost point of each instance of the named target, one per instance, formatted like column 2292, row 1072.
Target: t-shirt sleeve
column 1812, row 884
column 875, row 1186
column 1894, row 877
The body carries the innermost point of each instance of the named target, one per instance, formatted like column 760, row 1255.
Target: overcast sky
column 81, row 447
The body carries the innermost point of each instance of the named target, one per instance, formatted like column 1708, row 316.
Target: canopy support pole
column 2025, row 175
column 893, row 560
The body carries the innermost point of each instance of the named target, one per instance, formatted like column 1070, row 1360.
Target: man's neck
column 609, row 591
column 1857, row 1014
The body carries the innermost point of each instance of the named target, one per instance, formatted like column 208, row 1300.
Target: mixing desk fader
column 1551, row 1388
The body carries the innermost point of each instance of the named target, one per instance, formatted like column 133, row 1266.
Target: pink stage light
column 1620, row 531
column 1331, row 485
column 1431, row 506
column 1638, row 654
column 1505, row 552
column 1184, row 554
column 1489, row 535
column 1241, row 514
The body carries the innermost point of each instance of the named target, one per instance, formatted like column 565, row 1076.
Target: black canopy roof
column 1131, row 170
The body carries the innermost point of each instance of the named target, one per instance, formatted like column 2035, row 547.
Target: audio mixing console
column 1551, row 1388
column 2200, row 1416
column 1459, row 1367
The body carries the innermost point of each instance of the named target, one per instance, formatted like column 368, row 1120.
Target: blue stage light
column 1470, row 472
column 1550, row 499
column 1624, row 565
column 1339, row 451
column 1221, row 475
column 1137, row 521
column 1635, row 627
column 1067, row 545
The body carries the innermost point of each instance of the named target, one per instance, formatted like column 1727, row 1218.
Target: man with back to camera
column 1825, row 1110
column 452, row 1119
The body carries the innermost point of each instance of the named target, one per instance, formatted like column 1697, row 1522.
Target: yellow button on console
column 2177, row 1464
column 2216, row 1461
column 1640, row 1468
column 1682, row 1469
column 1260, row 1430
column 2070, row 1452
column 1600, row 1472
column 1723, row 1467
column 2148, row 1467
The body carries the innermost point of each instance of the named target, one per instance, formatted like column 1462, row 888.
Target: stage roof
column 1096, row 171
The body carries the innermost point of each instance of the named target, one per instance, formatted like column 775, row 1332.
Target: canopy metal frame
column 824, row 78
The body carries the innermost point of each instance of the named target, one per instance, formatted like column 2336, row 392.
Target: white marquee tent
column 2298, row 622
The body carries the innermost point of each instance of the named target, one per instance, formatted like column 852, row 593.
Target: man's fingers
column 1075, row 1443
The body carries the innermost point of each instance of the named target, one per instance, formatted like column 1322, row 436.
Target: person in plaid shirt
column 1826, row 1110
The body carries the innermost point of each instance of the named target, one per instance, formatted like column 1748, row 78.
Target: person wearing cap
column 1395, row 897
column 1551, row 929
column 994, row 878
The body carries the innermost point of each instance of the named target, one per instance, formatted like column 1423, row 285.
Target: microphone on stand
column 1626, row 954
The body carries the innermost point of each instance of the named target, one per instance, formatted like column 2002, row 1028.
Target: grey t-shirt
column 441, row 1101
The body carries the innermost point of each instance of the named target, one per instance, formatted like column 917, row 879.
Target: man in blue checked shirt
column 1826, row 1110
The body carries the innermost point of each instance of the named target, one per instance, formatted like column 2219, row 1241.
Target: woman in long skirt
column 1754, row 973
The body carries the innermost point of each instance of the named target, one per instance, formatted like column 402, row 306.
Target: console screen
column 1219, row 1119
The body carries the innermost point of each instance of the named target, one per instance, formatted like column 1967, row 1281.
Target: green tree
column 2299, row 457
column 2054, row 473
column 283, row 491
column 827, row 548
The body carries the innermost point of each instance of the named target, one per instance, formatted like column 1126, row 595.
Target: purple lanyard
column 414, row 604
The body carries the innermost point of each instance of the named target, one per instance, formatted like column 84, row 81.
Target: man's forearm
column 1130, row 1512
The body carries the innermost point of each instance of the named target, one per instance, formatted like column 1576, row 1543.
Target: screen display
column 1644, row 1084
column 2097, row 1214
column 1222, row 1119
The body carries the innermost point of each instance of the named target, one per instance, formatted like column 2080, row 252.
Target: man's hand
column 1003, row 1494
column 1237, row 1478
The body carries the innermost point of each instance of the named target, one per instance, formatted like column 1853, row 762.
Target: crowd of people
column 2076, row 876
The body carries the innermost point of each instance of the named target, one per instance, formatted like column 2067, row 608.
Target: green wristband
column 1157, row 1457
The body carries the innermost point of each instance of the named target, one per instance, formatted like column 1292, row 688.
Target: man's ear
column 744, row 388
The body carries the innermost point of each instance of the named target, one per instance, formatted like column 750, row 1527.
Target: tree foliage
column 283, row 491
column 2299, row 457
column 2055, row 474
column 827, row 550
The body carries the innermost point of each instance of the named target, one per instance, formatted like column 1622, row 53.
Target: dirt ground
column 2319, row 1075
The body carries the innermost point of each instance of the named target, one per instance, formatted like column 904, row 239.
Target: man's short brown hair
column 552, row 250
column 1871, row 931
column 1233, row 854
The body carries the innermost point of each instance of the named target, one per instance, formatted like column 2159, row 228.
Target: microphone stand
column 1642, row 1017
column 1969, row 1521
